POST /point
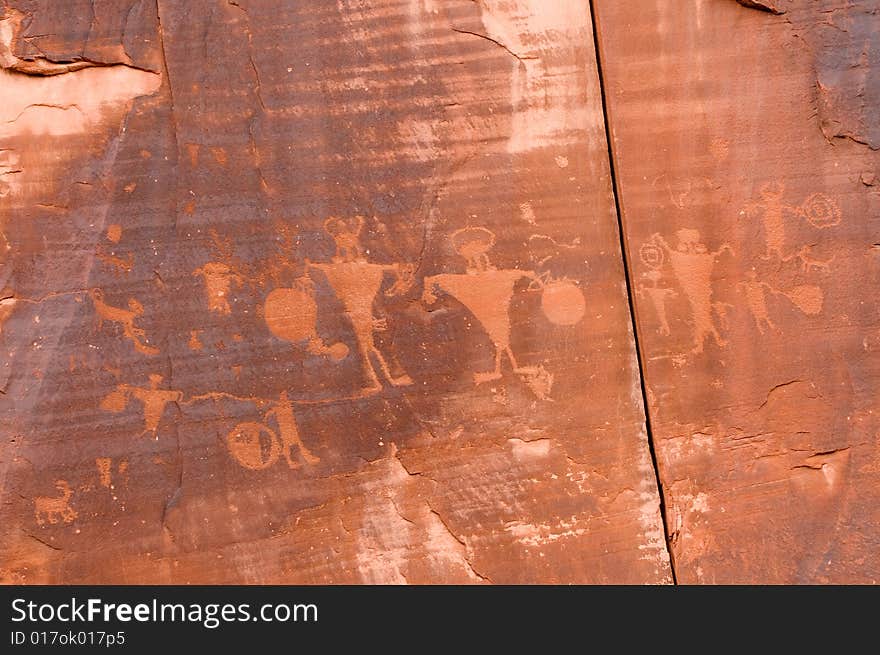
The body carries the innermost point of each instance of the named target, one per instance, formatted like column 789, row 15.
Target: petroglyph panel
column 323, row 292
column 747, row 166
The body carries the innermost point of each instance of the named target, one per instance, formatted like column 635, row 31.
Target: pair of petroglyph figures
column 692, row 265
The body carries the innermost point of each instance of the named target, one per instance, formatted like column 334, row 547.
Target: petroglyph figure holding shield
column 153, row 399
column 818, row 209
column 692, row 266
column 488, row 291
column 356, row 282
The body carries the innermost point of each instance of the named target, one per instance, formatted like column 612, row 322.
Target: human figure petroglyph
column 55, row 509
column 773, row 214
column 756, row 299
column 807, row 298
column 220, row 276
column 487, row 292
column 484, row 290
column 125, row 318
column 248, row 447
column 658, row 296
column 692, row 266
column 153, row 399
column 818, row 209
column 356, row 282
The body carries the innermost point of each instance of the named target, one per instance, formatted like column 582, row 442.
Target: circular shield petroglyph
column 563, row 303
column 291, row 314
column 652, row 255
column 807, row 298
column 253, row 445
column 821, row 210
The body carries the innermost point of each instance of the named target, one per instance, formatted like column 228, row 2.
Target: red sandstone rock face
column 745, row 147
column 316, row 292
column 312, row 292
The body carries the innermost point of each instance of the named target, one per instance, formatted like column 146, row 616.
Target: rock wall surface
column 343, row 291
column 316, row 292
column 745, row 145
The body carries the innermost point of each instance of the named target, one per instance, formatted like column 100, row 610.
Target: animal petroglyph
column 153, row 399
column 356, row 283
column 256, row 446
column 692, row 266
column 808, row 262
column 487, row 292
column 125, row 318
column 818, row 209
column 109, row 256
column 55, row 509
column 118, row 263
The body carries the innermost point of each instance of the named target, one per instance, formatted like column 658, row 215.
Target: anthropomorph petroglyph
column 257, row 446
column 756, row 299
column 818, row 209
column 692, row 266
column 807, row 298
column 356, row 282
column 153, row 399
column 487, row 293
column 220, row 276
column 125, row 318
column 658, row 296
column 55, row 509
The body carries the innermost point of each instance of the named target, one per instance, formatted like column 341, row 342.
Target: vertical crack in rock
column 258, row 86
column 615, row 190
column 173, row 499
column 258, row 93
column 173, row 113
